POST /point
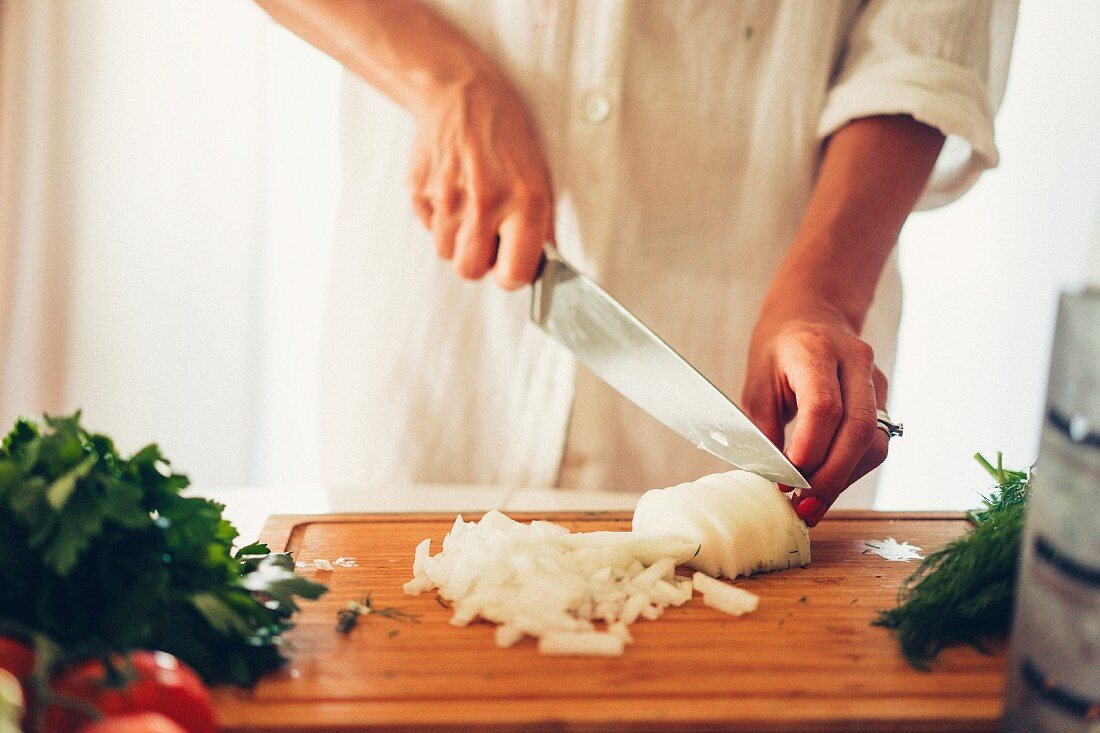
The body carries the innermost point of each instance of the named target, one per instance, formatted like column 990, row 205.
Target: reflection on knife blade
column 622, row 351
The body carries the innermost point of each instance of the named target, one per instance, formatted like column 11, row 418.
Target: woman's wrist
column 459, row 82
column 815, row 278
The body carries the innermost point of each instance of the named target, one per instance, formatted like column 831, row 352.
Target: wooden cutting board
column 807, row 659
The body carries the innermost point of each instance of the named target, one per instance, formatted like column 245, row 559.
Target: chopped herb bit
column 802, row 599
column 963, row 592
column 394, row 632
column 347, row 618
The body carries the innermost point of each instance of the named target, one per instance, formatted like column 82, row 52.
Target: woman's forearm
column 871, row 176
column 401, row 47
column 806, row 358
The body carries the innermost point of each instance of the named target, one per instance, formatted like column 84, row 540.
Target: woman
column 735, row 172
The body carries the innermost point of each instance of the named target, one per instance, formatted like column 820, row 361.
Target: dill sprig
column 347, row 618
column 963, row 592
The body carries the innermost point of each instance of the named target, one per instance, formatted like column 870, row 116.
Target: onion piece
column 725, row 598
column 593, row 644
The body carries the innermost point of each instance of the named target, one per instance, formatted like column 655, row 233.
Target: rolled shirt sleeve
column 943, row 62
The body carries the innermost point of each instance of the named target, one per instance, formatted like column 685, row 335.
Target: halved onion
column 742, row 522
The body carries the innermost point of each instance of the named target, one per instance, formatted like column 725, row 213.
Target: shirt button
column 597, row 107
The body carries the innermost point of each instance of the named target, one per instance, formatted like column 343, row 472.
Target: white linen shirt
column 683, row 140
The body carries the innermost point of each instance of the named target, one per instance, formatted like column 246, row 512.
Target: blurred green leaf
column 102, row 552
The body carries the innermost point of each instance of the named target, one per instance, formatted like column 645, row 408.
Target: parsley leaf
column 102, row 553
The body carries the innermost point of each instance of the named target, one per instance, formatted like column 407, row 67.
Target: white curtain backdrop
column 167, row 183
column 167, row 187
column 35, row 264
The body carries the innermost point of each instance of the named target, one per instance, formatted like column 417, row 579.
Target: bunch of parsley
column 963, row 592
column 102, row 554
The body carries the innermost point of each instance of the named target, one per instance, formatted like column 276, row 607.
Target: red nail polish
column 807, row 507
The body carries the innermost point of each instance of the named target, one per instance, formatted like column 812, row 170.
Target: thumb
column 767, row 414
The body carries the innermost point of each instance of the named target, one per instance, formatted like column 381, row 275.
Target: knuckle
column 449, row 201
column 826, row 404
column 482, row 208
column 862, row 352
column 530, row 198
column 483, row 204
column 863, row 422
column 815, row 340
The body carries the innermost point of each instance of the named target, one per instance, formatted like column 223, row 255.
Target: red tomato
column 17, row 658
column 134, row 723
column 163, row 685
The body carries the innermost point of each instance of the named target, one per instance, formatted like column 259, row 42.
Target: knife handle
column 549, row 252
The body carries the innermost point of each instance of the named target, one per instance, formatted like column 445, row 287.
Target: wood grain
column 807, row 659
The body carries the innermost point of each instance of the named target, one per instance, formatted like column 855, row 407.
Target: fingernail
column 808, row 507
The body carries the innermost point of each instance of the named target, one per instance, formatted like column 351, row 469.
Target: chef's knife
column 622, row 351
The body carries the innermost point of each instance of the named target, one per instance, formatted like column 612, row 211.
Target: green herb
column 347, row 618
column 102, row 554
column 963, row 592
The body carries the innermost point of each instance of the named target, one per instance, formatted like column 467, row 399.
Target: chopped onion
column 622, row 631
column 725, row 598
column 539, row 579
column 592, row 644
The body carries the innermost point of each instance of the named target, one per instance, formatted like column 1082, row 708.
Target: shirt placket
column 593, row 140
column 593, row 129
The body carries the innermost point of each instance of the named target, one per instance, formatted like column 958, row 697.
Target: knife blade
column 625, row 353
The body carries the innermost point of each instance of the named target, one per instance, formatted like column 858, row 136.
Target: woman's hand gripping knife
column 807, row 361
column 478, row 177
